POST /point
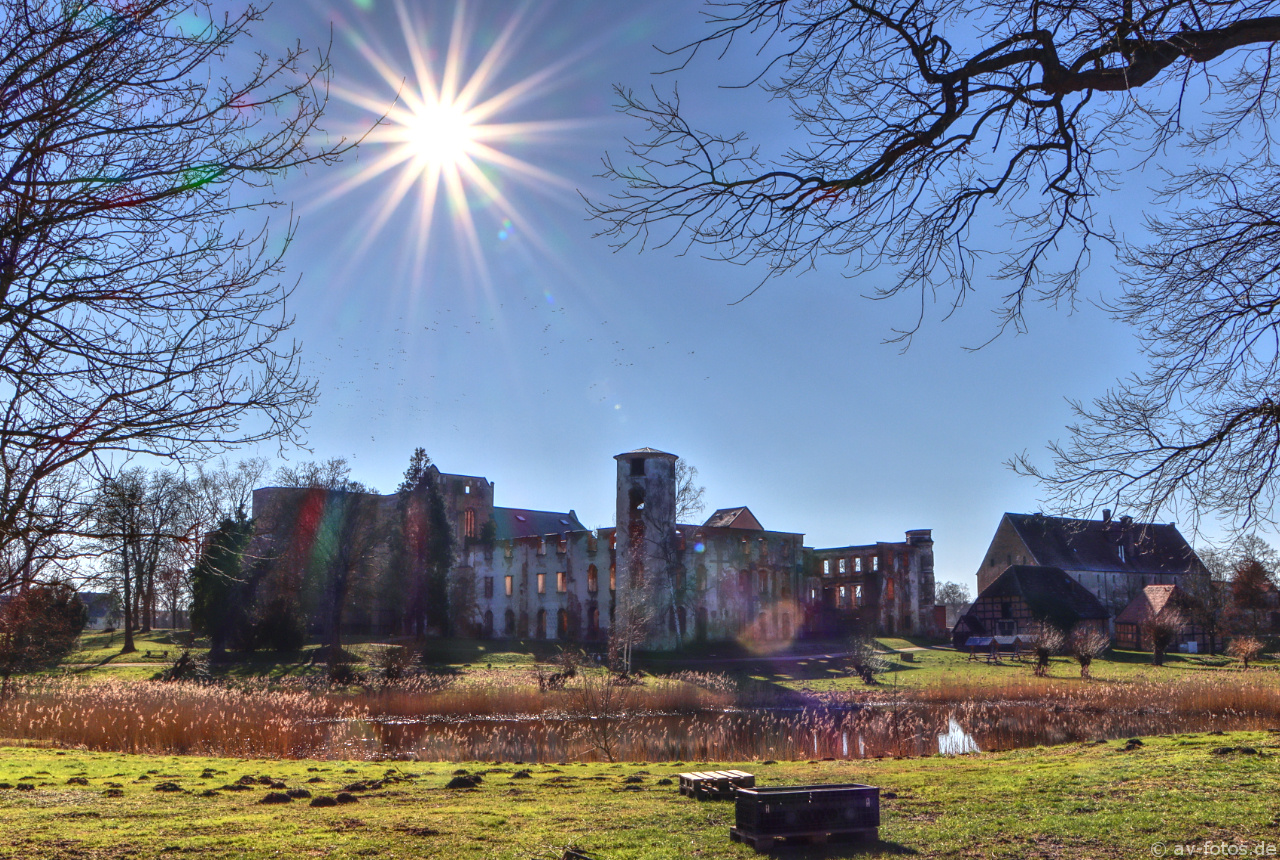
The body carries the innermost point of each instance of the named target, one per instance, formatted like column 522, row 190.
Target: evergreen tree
column 423, row 548
column 219, row 590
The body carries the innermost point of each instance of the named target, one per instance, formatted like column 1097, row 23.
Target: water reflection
column 955, row 740
column 745, row 735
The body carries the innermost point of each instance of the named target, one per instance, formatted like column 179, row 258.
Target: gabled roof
column 1049, row 592
column 1112, row 545
column 518, row 522
column 1151, row 601
column 734, row 518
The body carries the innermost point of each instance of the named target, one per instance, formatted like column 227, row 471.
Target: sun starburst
column 444, row 141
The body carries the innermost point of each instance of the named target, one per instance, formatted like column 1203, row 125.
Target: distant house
column 733, row 518
column 1133, row 624
column 101, row 607
column 1114, row 559
column 1023, row 595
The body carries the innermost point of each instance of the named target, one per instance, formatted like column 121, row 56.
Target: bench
column 715, row 784
column 163, row 655
column 765, row 818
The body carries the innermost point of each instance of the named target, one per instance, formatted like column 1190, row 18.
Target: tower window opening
column 637, row 467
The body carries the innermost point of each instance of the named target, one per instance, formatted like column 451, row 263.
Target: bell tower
column 645, row 521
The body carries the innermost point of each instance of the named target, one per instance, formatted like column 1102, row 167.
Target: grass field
column 911, row 663
column 1089, row 801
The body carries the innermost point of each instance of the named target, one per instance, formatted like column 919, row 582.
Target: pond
column 743, row 735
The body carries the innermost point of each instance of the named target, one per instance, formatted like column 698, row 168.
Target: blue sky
column 535, row 359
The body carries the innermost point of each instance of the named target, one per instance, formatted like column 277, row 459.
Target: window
column 467, row 490
column 857, row 565
column 844, row 597
column 562, row 546
column 637, row 466
column 888, row 589
column 542, row 583
column 488, row 586
column 826, row 567
column 510, row 585
column 842, row 569
column 469, row 523
column 613, row 577
column 857, row 595
column 593, row 584
column 542, row 546
column 1006, row 610
column 875, row 563
column 562, row 582
column 509, row 621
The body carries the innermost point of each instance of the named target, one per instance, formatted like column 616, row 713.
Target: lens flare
column 443, row 143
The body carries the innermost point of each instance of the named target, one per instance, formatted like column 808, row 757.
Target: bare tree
column 689, row 494
column 1046, row 641
column 139, row 304
column 337, row 535
column 331, row 474
column 955, row 597
column 604, row 703
column 918, row 123
column 1250, row 590
column 1163, row 629
column 1087, row 644
column 634, row 612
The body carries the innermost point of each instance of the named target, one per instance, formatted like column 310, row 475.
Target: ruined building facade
column 542, row 575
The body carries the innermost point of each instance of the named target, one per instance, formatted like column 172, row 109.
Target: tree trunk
column 128, row 602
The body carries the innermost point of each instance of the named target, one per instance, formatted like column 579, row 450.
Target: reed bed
column 680, row 718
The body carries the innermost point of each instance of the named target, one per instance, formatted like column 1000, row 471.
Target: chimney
column 1106, row 515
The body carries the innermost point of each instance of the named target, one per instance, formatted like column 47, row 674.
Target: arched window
column 541, row 630
column 562, row 625
column 593, row 577
column 523, row 629
column 509, row 623
column 469, row 523
column 593, row 621
column 488, row 624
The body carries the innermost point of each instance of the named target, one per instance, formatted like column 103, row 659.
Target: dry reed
column 690, row 718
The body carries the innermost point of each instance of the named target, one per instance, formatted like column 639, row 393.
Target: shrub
column 38, row 627
column 862, row 658
column 394, row 662
column 1245, row 648
column 187, row 668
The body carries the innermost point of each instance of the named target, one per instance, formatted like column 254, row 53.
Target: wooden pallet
column 763, row 842
column 715, row 784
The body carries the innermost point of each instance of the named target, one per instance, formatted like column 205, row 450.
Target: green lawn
column 1063, row 802
column 939, row 666
column 99, row 655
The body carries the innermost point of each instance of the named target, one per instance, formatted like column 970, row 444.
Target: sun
column 444, row 139
column 440, row 135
